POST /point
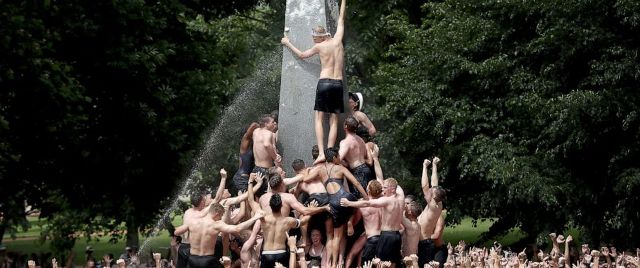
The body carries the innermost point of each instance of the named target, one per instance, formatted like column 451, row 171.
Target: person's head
column 276, row 183
column 298, row 165
column 437, row 194
column 197, row 198
column 408, row 199
column 88, row 250
column 216, row 211
column 268, row 122
column 319, row 34
column 413, row 210
column 363, row 132
column 374, row 189
column 354, row 102
column 331, row 155
column 316, row 236
column 315, row 152
column 91, row 262
column 314, row 263
column 389, row 186
column 351, row 124
column 275, row 203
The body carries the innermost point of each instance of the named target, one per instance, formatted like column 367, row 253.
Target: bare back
column 203, row 235
column 263, row 141
column 331, row 54
column 353, row 150
column 275, row 230
column 371, row 217
column 392, row 213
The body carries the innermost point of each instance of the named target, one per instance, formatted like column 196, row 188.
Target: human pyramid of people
column 332, row 189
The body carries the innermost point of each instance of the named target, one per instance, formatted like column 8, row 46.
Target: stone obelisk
column 299, row 78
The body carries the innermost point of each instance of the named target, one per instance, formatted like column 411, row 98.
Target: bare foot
column 321, row 158
column 349, row 228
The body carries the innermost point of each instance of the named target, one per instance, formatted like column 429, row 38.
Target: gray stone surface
column 296, row 133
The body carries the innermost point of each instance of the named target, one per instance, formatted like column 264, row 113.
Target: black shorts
column 389, row 245
column 428, row 251
column 240, row 182
column 263, row 188
column 184, row 251
column 364, row 175
column 329, row 96
column 339, row 213
column 269, row 260
column 323, row 200
column 370, row 248
column 203, row 261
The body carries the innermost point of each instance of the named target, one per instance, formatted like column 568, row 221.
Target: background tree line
column 532, row 105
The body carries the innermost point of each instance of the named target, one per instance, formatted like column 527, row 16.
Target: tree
column 532, row 105
column 104, row 104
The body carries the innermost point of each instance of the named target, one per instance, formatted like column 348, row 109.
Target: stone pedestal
column 296, row 133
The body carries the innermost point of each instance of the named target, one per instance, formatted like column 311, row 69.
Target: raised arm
column 246, row 138
column 434, row 172
column 223, row 182
column 340, row 28
column 313, row 175
column 293, row 180
column 375, row 152
column 364, row 120
column 425, row 177
column 250, row 196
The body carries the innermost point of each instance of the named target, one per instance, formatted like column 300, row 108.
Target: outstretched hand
column 344, row 202
column 284, row 40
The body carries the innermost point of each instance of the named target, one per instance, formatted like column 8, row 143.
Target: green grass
column 470, row 234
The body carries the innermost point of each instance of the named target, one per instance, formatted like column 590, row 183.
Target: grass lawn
column 464, row 231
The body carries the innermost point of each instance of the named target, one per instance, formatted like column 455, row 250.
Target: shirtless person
column 330, row 91
column 264, row 148
column 288, row 200
column 411, row 234
column 204, row 232
column 428, row 219
column 275, row 227
column 368, row 242
column 354, row 151
column 392, row 204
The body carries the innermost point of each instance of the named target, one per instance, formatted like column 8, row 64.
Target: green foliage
column 532, row 106
column 104, row 104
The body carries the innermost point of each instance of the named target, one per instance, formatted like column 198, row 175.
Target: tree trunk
column 132, row 231
column 2, row 229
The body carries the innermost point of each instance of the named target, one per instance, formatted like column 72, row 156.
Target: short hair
column 363, row 132
column 410, row 197
column 330, row 153
column 297, row 165
column 196, row 197
column 439, row 194
column 315, row 151
column 351, row 124
column 319, row 30
column 275, row 202
column 265, row 119
column 216, row 208
column 374, row 188
column 415, row 208
column 275, row 181
column 391, row 182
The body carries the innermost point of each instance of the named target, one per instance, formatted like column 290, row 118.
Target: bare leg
column 338, row 234
column 333, row 129
column 355, row 250
column 319, row 118
column 353, row 220
column 343, row 247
